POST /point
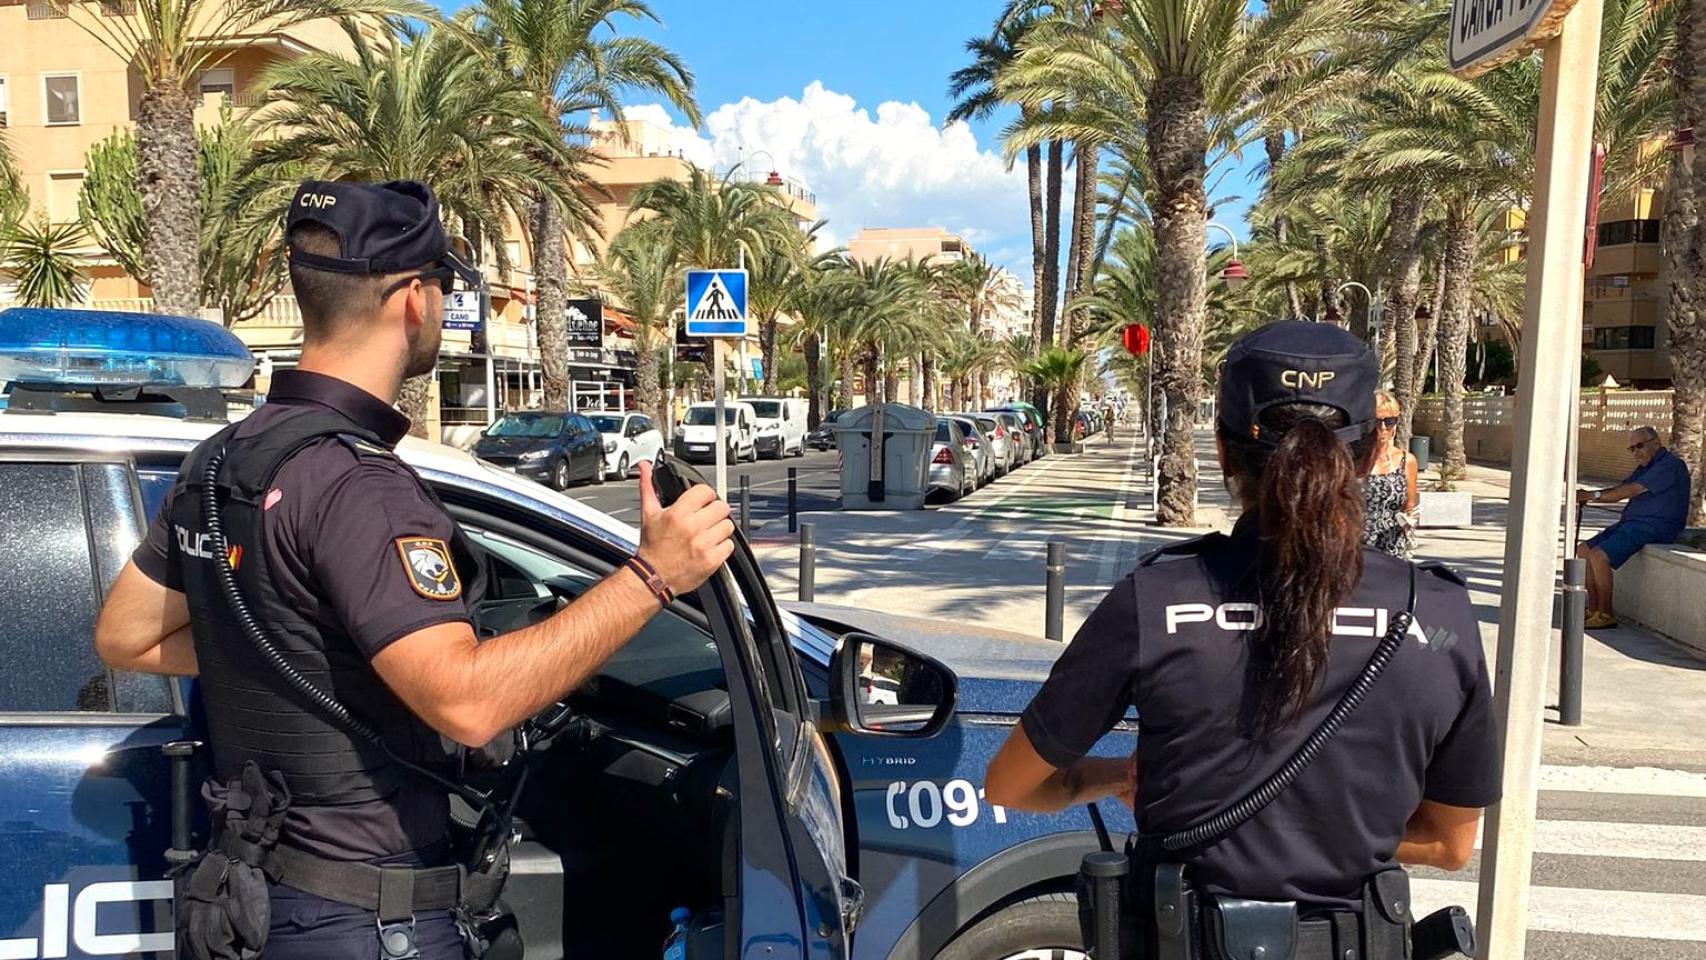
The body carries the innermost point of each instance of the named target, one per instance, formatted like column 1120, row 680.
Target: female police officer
column 1234, row 649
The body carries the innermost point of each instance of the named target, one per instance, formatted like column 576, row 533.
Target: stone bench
column 1661, row 588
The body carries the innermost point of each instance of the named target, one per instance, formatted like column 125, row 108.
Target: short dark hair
column 329, row 301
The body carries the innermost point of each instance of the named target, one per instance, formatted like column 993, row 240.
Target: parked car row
column 560, row 449
column 974, row 449
column 773, row 427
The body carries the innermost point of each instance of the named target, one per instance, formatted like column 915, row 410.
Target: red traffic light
column 1135, row 338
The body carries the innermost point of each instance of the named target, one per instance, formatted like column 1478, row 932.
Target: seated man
column 1658, row 509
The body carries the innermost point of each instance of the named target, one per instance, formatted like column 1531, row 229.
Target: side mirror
column 883, row 690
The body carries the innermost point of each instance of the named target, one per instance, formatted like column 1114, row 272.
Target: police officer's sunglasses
column 444, row 276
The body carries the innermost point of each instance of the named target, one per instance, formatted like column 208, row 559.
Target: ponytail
column 1307, row 496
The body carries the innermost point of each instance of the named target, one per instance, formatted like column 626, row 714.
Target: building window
column 221, row 81
column 62, row 191
column 118, row 8
column 1619, row 232
column 63, row 95
column 5, row 107
column 45, row 10
column 1625, row 338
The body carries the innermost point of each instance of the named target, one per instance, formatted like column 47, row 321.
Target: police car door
column 795, row 895
column 83, row 785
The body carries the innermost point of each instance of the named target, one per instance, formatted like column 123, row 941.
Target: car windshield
column 526, row 425
column 706, row 416
column 833, row 416
column 767, row 409
column 604, row 423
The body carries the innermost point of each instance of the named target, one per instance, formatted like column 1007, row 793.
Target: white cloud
column 896, row 168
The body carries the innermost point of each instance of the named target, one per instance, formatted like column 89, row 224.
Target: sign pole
column 1551, row 348
column 717, row 360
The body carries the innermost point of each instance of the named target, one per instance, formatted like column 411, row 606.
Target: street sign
column 1486, row 33
column 462, row 310
column 1135, row 338
column 716, row 303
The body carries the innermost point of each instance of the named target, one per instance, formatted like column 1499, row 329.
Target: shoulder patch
column 1184, row 548
column 427, row 564
column 1443, row 572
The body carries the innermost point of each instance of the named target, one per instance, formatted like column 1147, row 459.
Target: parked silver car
column 1001, row 444
column 980, row 446
column 1024, row 448
column 953, row 467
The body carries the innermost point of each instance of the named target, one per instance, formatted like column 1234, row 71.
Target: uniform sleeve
column 380, row 553
column 1464, row 770
column 157, row 555
column 1090, row 686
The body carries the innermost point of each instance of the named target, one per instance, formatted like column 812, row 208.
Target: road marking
column 1618, row 841
column 1598, row 913
column 1652, row 781
column 1108, row 561
column 916, row 550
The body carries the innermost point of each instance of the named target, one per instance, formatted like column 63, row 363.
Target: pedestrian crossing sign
column 716, row 303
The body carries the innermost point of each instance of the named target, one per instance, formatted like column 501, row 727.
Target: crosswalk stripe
column 1650, row 916
column 1652, row 781
column 1623, row 841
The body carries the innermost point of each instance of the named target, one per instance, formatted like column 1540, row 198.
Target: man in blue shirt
column 1658, row 495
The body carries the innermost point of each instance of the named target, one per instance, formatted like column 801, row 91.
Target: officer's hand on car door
column 688, row 540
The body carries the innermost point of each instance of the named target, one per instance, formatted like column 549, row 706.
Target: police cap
column 381, row 227
column 1294, row 361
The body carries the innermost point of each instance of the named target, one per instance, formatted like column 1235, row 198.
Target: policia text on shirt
column 323, row 595
column 1312, row 714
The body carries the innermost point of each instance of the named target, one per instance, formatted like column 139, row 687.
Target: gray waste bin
column 1419, row 446
column 901, row 479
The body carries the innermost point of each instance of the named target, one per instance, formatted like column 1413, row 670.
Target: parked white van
column 781, row 426
column 696, row 436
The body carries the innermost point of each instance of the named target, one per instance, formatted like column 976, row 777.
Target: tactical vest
column 252, row 712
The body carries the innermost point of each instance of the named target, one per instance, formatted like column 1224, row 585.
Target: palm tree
column 639, row 273
column 1687, row 338
column 41, row 258
column 885, row 297
column 167, row 43
column 978, row 290
column 774, row 286
column 1175, row 76
column 426, row 107
column 1059, row 370
column 559, row 51
column 822, row 300
column 14, row 199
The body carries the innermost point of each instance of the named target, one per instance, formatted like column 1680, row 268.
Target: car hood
column 999, row 671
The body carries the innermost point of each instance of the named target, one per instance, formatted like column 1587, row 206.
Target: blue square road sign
column 716, row 303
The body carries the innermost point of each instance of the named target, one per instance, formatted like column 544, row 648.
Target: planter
column 1439, row 508
column 1077, row 446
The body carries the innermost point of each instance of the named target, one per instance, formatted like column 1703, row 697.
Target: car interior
column 635, row 791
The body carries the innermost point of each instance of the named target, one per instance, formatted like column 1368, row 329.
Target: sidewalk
column 980, row 561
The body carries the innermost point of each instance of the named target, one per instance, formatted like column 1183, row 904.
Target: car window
column 534, row 425
column 944, row 433
column 607, row 423
column 69, row 527
column 768, row 409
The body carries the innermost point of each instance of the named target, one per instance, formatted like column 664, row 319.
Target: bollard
column 1570, row 657
column 808, row 562
column 1056, row 591
column 793, row 499
column 746, row 504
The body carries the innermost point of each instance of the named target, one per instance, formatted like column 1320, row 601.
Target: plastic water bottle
column 675, row 945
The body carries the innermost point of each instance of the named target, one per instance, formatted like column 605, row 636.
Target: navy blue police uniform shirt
column 331, row 529
column 1171, row 640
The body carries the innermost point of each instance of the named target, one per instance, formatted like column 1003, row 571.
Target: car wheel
column 598, row 470
column 562, row 474
column 1038, row 928
column 622, row 467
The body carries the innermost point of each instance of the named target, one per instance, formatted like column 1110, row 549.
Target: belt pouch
column 1386, row 915
column 1252, row 929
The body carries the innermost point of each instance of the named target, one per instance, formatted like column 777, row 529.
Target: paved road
column 819, row 479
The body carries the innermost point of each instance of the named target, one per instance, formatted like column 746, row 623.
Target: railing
column 1607, row 417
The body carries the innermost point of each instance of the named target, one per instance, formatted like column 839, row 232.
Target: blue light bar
column 99, row 348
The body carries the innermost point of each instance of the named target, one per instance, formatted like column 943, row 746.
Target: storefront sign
column 462, row 310
column 586, row 331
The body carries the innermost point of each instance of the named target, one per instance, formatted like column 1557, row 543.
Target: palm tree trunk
column 873, row 385
column 1323, row 266
column 1427, row 336
column 551, row 317
column 1178, row 147
column 412, row 402
column 1401, row 266
column 927, row 374
column 170, row 186
column 1039, row 254
column 1083, row 237
column 844, row 393
column 983, row 401
column 814, row 383
column 1275, row 146
column 1050, row 296
column 1691, row 107
column 1459, row 271
column 767, row 348
column 916, row 391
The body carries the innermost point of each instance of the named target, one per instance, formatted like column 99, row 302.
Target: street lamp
column 1373, row 308
column 1234, row 273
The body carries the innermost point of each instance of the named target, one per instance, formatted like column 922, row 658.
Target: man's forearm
column 173, row 656
column 1620, row 493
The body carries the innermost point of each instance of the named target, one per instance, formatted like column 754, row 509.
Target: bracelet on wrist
column 649, row 576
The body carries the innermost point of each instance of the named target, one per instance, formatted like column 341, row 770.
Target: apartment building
column 924, row 244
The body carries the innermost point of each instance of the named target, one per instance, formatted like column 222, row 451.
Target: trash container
column 1419, row 449
column 900, row 477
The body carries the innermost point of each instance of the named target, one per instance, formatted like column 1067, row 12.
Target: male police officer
column 355, row 575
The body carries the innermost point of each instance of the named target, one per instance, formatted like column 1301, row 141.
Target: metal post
column 1549, row 373
column 746, row 504
column 1053, row 628
column 793, row 499
column 808, row 562
column 1570, row 656
column 722, row 428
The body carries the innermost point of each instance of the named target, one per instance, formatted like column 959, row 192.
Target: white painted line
column 1107, row 563
column 916, row 550
column 1652, row 781
column 1618, row 841
column 1598, row 913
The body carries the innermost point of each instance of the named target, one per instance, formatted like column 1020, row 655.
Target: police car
column 696, row 775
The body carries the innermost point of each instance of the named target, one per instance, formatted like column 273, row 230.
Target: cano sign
column 1486, row 33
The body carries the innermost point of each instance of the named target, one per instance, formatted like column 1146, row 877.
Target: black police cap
column 381, row 227
column 1295, row 361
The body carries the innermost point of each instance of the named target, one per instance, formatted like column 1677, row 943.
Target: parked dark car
column 552, row 448
column 823, row 438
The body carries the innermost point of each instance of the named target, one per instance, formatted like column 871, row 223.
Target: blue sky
column 849, row 97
